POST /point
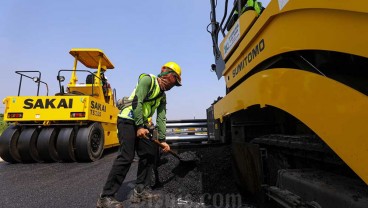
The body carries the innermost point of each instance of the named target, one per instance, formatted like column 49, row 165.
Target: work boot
column 145, row 194
column 108, row 202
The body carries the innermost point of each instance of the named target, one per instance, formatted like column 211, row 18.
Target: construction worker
column 105, row 86
column 103, row 81
column 251, row 5
column 147, row 97
column 245, row 5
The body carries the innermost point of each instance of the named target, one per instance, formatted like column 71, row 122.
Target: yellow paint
column 303, row 25
column 49, row 110
column 335, row 112
column 90, row 57
column 245, row 23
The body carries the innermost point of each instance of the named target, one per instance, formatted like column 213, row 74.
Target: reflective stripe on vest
column 150, row 103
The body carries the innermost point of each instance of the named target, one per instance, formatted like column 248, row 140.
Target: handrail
column 178, row 131
column 38, row 81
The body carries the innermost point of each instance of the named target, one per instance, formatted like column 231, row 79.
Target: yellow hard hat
column 176, row 68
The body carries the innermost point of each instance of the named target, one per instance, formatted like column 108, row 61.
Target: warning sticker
column 233, row 38
column 282, row 3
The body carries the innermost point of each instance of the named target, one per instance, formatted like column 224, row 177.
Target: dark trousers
column 129, row 143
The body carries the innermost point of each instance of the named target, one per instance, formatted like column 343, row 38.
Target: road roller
column 75, row 124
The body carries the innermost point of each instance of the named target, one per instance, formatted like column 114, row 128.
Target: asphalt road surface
column 78, row 185
column 58, row 184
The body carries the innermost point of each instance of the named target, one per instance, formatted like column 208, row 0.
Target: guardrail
column 190, row 130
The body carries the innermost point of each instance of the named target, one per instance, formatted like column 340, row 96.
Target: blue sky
column 137, row 36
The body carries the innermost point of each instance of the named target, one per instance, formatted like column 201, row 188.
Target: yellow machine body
column 80, row 122
column 47, row 110
column 300, row 25
column 335, row 111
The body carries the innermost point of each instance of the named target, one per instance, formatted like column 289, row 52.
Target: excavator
column 294, row 111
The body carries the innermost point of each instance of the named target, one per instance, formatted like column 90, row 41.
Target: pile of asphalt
column 203, row 183
column 217, row 171
column 180, row 179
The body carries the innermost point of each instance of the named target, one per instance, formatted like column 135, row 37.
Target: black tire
column 90, row 143
column 27, row 145
column 65, row 144
column 8, row 145
column 46, row 145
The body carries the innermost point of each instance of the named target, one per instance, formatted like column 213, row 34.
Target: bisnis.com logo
column 217, row 200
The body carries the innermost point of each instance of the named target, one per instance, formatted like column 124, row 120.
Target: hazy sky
column 137, row 36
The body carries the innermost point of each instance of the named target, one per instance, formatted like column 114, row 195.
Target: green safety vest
column 150, row 103
column 254, row 4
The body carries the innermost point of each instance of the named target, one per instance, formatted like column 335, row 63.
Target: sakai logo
column 250, row 57
column 47, row 103
column 98, row 106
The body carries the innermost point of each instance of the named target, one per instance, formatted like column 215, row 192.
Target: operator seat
column 89, row 79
